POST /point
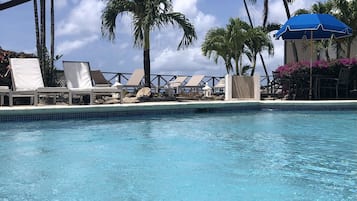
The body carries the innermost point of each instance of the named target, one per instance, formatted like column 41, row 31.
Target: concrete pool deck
column 53, row 112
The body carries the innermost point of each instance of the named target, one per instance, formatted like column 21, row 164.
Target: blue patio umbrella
column 313, row 27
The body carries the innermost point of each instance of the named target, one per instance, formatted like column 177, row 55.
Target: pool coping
column 54, row 112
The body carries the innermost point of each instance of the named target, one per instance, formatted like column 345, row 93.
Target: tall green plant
column 234, row 41
column 257, row 40
column 251, row 24
column 216, row 45
column 146, row 16
column 47, row 59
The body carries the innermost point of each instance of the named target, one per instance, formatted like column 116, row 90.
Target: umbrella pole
column 311, row 53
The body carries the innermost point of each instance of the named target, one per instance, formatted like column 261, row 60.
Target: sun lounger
column 99, row 79
column 79, row 81
column 27, row 81
column 135, row 79
column 195, row 83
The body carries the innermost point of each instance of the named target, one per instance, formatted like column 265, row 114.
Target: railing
column 160, row 80
column 157, row 80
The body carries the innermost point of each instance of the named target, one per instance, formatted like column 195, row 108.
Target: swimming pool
column 246, row 155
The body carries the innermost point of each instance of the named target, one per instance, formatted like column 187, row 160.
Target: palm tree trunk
column 295, row 52
column 327, row 55
column 147, row 57
column 349, row 46
column 43, row 34
column 37, row 28
column 51, row 67
column 236, row 61
column 254, row 58
column 251, row 24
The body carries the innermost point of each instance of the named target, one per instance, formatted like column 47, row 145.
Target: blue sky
column 78, row 35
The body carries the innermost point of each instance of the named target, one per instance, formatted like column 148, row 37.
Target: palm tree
column 146, row 15
column 46, row 60
column 234, row 41
column 43, row 34
column 37, row 28
column 52, row 53
column 237, row 34
column 251, row 24
column 217, row 45
column 257, row 41
column 288, row 15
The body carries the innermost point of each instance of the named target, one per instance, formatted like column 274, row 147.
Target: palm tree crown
column 146, row 16
column 234, row 41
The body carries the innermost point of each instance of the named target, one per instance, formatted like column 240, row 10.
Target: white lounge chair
column 79, row 81
column 27, row 81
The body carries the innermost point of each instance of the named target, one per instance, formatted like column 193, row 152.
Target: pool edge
column 56, row 112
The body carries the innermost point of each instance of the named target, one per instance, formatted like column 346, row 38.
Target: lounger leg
column 91, row 97
column 121, row 96
column 2, row 99
column 70, row 98
column 11, row 100
column 35, row 99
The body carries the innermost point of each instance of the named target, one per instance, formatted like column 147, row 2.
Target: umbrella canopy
column 12, row 3
column 313, row 26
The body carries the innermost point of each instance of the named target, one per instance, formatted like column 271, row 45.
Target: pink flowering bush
column 321, row 67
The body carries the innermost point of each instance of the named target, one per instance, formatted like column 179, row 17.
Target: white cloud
column 166, row 58
column 71, row 45
column 83, row 19
column 59, row 4
column 280, row 17
column 187, row 7
column 124, row 45
column 204, row 22
column 189, row 61
column 137, row 58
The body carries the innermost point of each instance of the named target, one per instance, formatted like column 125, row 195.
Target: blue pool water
column 253, row 155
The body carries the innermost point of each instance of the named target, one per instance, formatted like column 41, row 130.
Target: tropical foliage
column 46, row 58
column 238, row 38
column 265, row 18
column 217, row 45
column 146, row 16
